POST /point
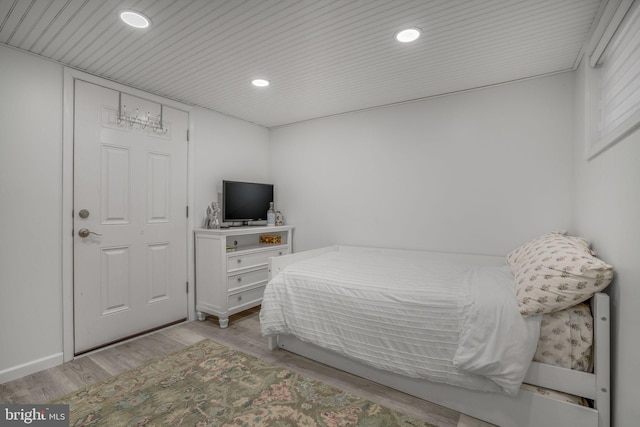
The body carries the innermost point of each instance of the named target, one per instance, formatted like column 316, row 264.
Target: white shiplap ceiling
column 322, row 57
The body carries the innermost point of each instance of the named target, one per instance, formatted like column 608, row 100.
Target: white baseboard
column 31, row 367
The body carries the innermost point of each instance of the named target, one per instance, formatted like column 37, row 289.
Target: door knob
column 83, row 232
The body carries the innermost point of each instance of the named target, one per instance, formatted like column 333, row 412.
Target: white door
column 130, row 194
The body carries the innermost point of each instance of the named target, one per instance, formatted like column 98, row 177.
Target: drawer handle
column 239, row 279
column 239, row 297
column 239, row 260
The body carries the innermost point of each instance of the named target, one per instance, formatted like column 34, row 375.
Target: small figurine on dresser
column 212, row 220
column 279, row 218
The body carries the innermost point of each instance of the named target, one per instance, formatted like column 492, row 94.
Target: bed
column 476, row 383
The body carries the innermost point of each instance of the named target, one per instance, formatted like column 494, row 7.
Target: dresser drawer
column 250, row 297
column 241, row 261
column 247, row 278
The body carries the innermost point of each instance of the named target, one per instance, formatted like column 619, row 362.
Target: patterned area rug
column 208, row 384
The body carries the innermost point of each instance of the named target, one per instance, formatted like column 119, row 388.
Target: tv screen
column 245, row 201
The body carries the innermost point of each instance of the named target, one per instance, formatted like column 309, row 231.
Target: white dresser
column 232, row 268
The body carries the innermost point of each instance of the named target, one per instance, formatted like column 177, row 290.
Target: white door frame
column 70, row 75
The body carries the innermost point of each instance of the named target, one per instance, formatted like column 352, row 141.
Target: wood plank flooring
column 242, row 334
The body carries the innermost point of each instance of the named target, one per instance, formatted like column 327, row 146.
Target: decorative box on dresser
column 232, row 267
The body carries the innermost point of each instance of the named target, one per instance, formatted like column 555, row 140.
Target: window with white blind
column 614, row 83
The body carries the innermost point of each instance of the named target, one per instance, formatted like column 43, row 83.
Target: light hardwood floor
column 242, row 334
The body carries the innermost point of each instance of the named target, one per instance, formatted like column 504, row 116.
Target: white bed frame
column 526, row 409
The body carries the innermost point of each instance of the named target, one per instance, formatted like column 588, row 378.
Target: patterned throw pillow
column 566, row 339
column 555, row 271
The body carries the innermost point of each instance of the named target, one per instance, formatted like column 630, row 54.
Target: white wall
column 227, row 148
column 477, row 172
column 607, row 211
column 30, row 217
column 31, row 189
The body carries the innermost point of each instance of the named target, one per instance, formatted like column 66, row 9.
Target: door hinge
column 187, row 135
column 187, row 211
column 187, row 290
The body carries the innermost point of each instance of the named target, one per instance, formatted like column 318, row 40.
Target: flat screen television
column 245, row 201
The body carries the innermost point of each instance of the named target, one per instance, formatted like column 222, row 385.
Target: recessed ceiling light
column 408, row 35
column 260, row 82
column 135, row 19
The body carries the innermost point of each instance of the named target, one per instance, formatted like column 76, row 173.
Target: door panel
column 130, row 272
column 115, row 185
column 158, row 180
column 114, row 280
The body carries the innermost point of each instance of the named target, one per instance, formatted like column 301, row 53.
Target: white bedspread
column 446, row 322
